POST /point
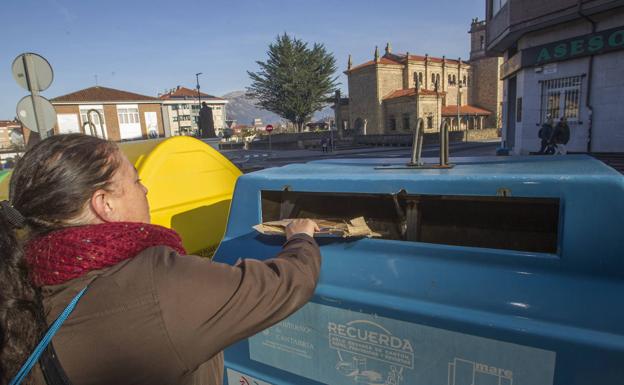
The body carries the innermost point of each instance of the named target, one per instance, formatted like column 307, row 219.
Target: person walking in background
column 324, row 143
column 545, row 134
column 561, row 136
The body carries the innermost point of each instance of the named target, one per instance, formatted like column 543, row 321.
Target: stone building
column 391, row 92
column 562, row 58
column 487, row 87
column 120, row 115
column 182, row 107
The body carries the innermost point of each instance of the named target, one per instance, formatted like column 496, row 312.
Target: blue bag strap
column 43, row 344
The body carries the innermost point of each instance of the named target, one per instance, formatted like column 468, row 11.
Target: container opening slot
column 513, row 223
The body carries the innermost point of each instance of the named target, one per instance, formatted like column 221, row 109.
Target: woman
column 561, row 136
column 150, row 315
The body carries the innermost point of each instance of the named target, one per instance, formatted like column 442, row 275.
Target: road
column 251, row 160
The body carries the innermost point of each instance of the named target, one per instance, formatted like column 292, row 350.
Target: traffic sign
column 36, row 113
column 269, row 128
column 32, row 72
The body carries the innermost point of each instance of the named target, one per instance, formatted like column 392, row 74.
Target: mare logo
column 465, row 372
column 238, row 378
column 368, row 353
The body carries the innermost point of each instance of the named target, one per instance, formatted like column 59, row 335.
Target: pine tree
column 295, row 81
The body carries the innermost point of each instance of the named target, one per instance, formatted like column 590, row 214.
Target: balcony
column 518, row 17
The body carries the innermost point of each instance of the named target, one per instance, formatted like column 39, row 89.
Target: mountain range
column 244, row 110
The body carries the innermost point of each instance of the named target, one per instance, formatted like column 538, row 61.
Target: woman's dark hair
column 51, row 187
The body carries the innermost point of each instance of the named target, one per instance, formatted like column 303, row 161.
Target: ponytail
column 22, row 320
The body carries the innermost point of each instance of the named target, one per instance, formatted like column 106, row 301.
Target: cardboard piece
column 356, row 227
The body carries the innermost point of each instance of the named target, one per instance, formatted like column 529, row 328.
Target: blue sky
column 146, row 46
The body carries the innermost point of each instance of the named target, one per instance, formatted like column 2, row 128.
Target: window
column 450, row 79
column 95, row 118
column 465, row 80
column 497, row 5
column 437, row 79
column 392, row 123
column 519, row 110
column 429, row 121
column 420, row 78
column 406, row 122
column 561, row 97
column 482, row 42
column 433, row 78
column 128, row 115
column 454, row 80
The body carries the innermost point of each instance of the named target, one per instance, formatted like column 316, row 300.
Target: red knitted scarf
column 69, row 253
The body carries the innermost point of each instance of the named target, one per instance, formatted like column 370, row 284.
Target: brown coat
column 162, row 318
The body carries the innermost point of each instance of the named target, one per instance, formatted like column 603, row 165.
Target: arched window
column 450, row 79
column 482, row 42
column 465, row 80
column 454, row 79
column 433, row 78
column 420, row 78
column 438, row 80
column 359, row 124
column 392, row 123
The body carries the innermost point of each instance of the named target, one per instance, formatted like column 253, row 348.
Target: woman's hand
column 301, row 226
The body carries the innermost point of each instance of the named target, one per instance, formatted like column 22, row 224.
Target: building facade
column 182, row 106
column 562, row 58
column 114, row 114
column 6, row 129
column 390, row 93
column 487, row 89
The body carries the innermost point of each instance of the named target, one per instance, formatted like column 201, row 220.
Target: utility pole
column 199, row 104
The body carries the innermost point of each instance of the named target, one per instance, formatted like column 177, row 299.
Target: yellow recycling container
column 4, row 185
column 190, row 187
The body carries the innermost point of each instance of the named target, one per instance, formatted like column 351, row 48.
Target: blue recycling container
column 505, row 271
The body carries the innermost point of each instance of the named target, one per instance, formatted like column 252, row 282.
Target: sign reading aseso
column 592, row 44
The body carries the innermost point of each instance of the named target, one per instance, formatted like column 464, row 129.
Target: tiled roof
column 102, row 94
column 399, row 59
column 186, row 93
column 464, row 110
column 411, row 92
column 10, row 123
column 382, row 60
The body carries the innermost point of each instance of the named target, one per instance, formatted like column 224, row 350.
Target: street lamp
column 198, row 102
